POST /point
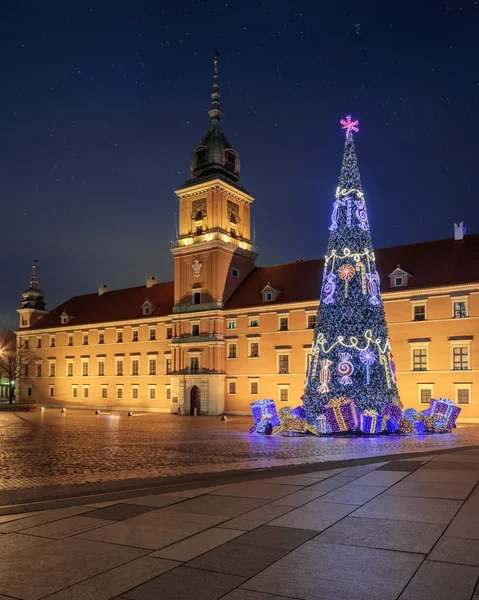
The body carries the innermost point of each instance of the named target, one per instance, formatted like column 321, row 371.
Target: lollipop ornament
column 346, row 272
column 368, row 358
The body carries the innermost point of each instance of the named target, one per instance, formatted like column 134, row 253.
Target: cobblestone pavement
column 395, row 529
column 51, row 448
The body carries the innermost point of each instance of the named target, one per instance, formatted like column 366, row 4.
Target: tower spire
column 349, row 178
column 33, row 279
column 215, row 111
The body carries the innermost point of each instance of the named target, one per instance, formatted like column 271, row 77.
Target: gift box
column 292, row 426
column 341, row 415
column 393, row 412
column 264, row 409
column 447, row 408
column 371, row 422
column 299, row 412
column 392, row 426
column 322, row 425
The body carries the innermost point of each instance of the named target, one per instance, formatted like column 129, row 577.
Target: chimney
column 459, row 230
column 102, row 288
column 150, row 281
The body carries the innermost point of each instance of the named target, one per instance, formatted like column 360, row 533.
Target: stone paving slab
column 219, row 506
column 456, row 550
column 65, row 527
column 315, row 515
column 434, row 582
column 256, row 518
column 198, row 544
column 431, row 489
column 119, row 511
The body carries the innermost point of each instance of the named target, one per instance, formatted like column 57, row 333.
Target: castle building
column 225, row 332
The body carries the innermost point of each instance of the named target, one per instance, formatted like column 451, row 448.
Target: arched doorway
column 195, row 400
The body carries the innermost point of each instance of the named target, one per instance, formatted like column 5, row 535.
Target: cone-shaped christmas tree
column 351, row 353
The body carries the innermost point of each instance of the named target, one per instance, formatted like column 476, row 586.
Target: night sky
column 101, row 106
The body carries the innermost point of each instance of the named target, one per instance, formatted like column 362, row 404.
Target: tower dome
column 214, row 155
column 33, row 297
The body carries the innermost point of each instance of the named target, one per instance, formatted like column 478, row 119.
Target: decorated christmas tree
column 351, row 353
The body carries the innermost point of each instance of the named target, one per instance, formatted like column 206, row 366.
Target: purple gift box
column 445, row 407
column 341, row 415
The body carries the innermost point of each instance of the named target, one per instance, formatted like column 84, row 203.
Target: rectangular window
column 119, row 392
column 169, row 333
column 152, row 366
column 26, row 344
column 134, row 392
column 420, row 312
column 84, row 368
column 104, row 391
column 52, row 341
column 119, row 367
column 284, row 394
column 25, row 370
column 463, row 395
column 135, row 367
column 86, row 391
column 51, row 390
column 101, row 368
column 119, row 336
column 235, row 272
column 397, row 281
column 152, row 334
column 199, row 229
column 311, row 321
column 74, row 391
column 426, row 395
column 70, row 340
column 232, row 351
column 69, row 369
column 168, row 392
column 53, row 369
column 152, row 392
column 460, row 309
column 196, row 297
column 195, row 364
column 283, row 324
column 101, row 338
column 283, row 360
column 419, row 359
column 231, row 325
column 231, row 387
column 254, row 388
column 39, row 369
column 85, row 339
column 134, row 335
column 254, row 349
column 168, row 366
column 195, row 330
column 29, row 391
column 254, row 323
column 39, row 342
column 461, row 358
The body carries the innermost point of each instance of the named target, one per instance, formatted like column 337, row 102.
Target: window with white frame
column 119, row 335
column 39, row 369
column 195, row 329
column 167, row 366
column 101, row 337
column 52, row 367
column 152, row 366
column 152, row 335
column 119, row 367
column 254, row 322
column 196, row 297
column 425, row 393
column 195, row 364
column 101, row 367
column 231, row 324
column 311, row 321
column 283, row 323
column 232, row 350
column 152, row 392
column 232, row 386
column 398, row 281
column 459, row 307
column 169, row 333
column 463, row 393
column 119, row 392
column 254, row 387
column 168, row 392
column 70, row 368
column 135, row 335
column 283, row 393
column 70, row 339
column 74, row 391
column 460, row 358
column 86, row 391
column 420, row 357
column 104, row 391
column 135, row 366
column 52, row 341
column 39, row 342
column 51, row 390
column 253, row 349
column 85, row 339
column 283, row 363
column 84, row 367
column 135, row 392
column 419, row 312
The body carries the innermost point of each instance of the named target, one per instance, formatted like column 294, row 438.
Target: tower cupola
column 33, row 297
column 215, row 156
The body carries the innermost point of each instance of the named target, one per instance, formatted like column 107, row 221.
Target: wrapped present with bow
column 447, row 408
column 341, row 414
column 264, row 412
column 371, row 422
column 292, row 426
column 322, row 425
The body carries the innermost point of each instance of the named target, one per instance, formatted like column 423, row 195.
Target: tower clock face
column 196, row 267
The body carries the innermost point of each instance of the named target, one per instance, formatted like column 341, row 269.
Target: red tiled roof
column 431, row 264
column 436, row 263
column 117, row 305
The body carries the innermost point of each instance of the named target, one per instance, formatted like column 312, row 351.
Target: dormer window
column 398, row 281
column 64, row 318
column 147, row 308
column 269, row 294
column 399, row 278
column 268, row 297
column 201, row 155
column 230, row 158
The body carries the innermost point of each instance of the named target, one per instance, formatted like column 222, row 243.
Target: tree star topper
column 349, row 125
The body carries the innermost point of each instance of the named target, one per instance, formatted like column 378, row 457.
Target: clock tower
column 212, row 256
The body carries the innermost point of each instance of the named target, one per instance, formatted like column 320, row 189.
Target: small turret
column 33, row 301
